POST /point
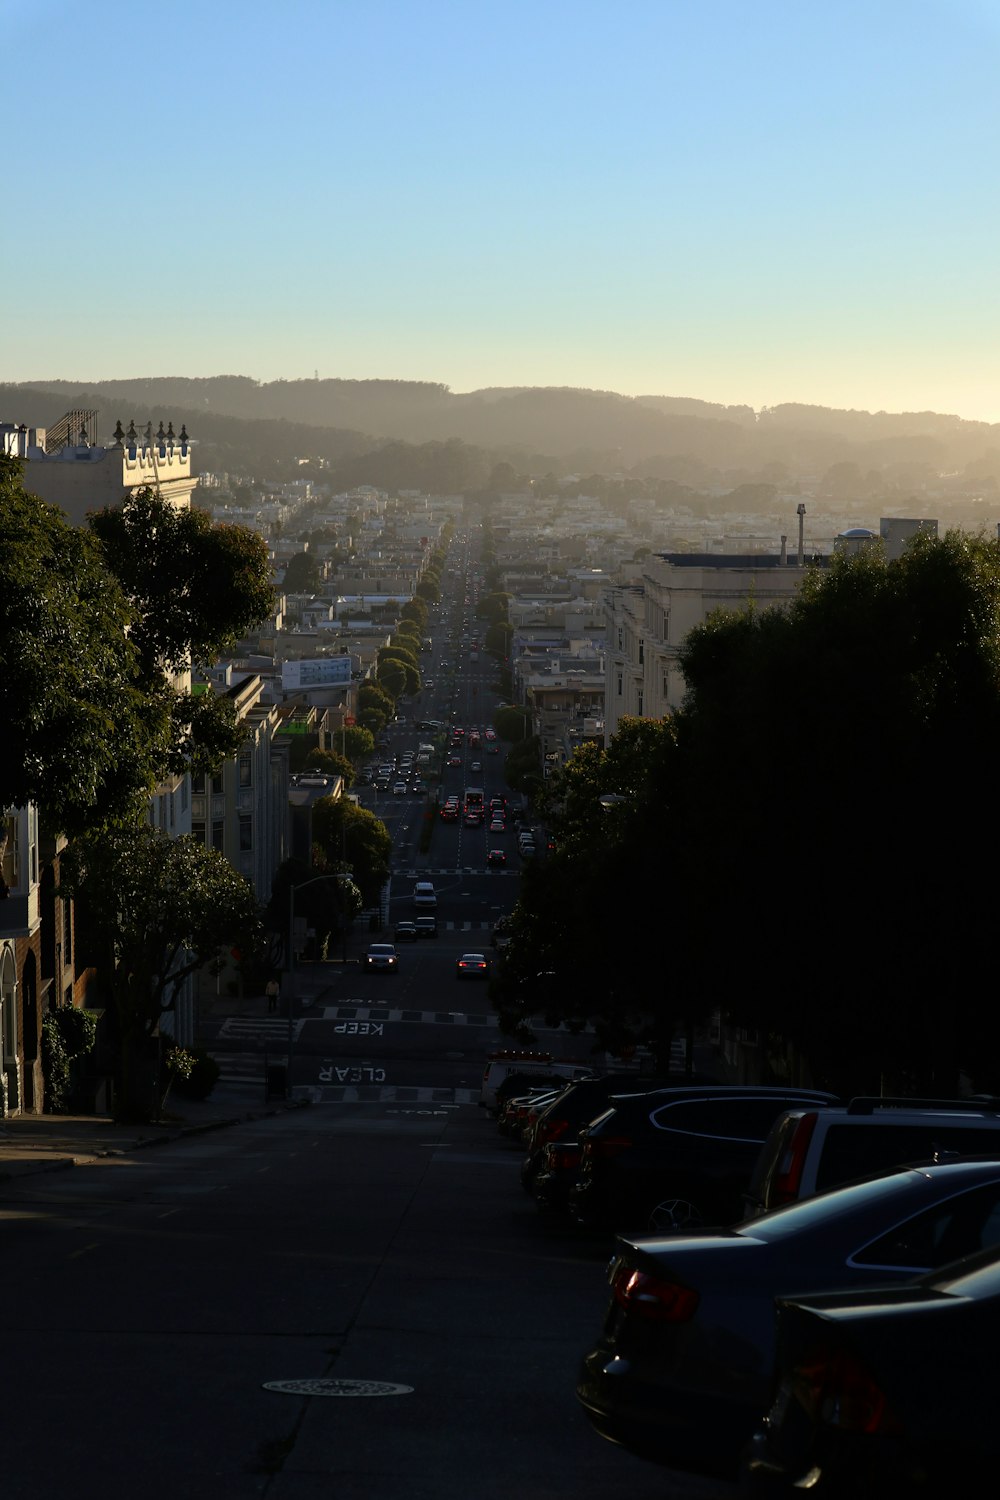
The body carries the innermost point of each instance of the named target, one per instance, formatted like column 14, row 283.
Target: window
column 67, row 930
column 198, row 782
column 963, row 1224
column 218, row 835
column 198, row 832
column 246, row 833
column 621, row 638
column 217, row 785
column 8, row 844
column 619, row 684
column 639, row 707
column 246, row 768
column 642, row 651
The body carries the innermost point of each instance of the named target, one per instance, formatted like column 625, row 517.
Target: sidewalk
column 43, row 1143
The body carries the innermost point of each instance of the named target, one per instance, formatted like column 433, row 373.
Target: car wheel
column 675, row 1213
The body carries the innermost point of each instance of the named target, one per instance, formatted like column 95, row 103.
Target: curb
column 84, row 1158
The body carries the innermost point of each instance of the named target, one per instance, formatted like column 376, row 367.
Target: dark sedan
column 682, row 1370
column 888, row 1392
column 472, row 966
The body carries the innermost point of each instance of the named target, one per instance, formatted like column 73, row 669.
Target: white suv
column 810, row 1150
column 425, row 895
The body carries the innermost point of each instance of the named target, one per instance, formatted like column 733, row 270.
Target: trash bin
column 276, row 1080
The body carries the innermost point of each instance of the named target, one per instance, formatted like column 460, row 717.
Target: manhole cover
column 338, row 1388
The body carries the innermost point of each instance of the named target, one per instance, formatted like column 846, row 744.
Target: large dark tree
column 80, row 736
column 157, row 910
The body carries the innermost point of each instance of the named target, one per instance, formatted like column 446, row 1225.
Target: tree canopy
column 156, row 909
column 81, row 737
column 807, row 843
column 350, row 836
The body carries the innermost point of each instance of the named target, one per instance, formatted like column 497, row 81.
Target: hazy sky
column 741, row 200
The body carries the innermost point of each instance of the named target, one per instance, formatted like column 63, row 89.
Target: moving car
column 427, row 927
column 496, row 859
column 425, row 895
column 381, row 958
column 404, row 932
column 681, row 1372
column 472, row 966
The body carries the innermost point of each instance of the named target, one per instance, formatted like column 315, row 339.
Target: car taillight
column 788, row 1178
column 603, row 1147
column 549, row 1130
column 562, row 1158
column 839, row 1391
column 652, row 1298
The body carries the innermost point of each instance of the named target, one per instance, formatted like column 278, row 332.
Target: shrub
column 202, row 1078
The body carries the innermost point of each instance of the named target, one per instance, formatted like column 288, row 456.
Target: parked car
column 381, row 958
column 682, row 1369
column 889, row 1392
column 472, row 966
column 426, row 927
column 677, row 1156
column 574, row 1107
column 809, row 1150
column 405, row 932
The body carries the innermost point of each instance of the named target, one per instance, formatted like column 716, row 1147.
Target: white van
column 511, row 1060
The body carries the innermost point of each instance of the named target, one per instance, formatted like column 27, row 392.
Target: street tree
column 493, row 607
column 331, row 763
column 512, row 724
column 301, row 574
column 82, row 738
column 356, row 743
column 836, row 762
column 393, row 676
column 352, row 838
column 155, row 910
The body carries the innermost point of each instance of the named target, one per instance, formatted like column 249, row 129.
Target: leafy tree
column 523, row 766
column 493, row 607
column 330, row 763
column 357, row 743
column 352, row 837
column 512, row 724
column 81, row 736
column 392, row 676
column 195, row 586
column 429, row 590
column 498, row 638
column 837, row 739
column 301, row 574
column 328, row 905
column 158, row 910
column 372, row 696
column 415, row 609
column 567, row 960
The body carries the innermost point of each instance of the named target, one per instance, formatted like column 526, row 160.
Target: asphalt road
column 382, row 1238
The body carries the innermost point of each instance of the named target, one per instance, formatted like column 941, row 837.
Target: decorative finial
column 160, row 434
column 119, row 434
column 83, row 435
column 184, row 433
column 170, row 432
column 132, row 435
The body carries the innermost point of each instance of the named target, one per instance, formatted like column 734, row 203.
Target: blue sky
column 744, row 202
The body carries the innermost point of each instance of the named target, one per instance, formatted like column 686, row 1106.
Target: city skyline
column 749, row 205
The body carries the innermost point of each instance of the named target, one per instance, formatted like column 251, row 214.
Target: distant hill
column 242, row 424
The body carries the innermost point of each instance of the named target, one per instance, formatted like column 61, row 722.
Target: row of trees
column 806, row 845
column 98, row 626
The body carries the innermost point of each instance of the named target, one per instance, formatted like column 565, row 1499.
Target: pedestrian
column 271, row 991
